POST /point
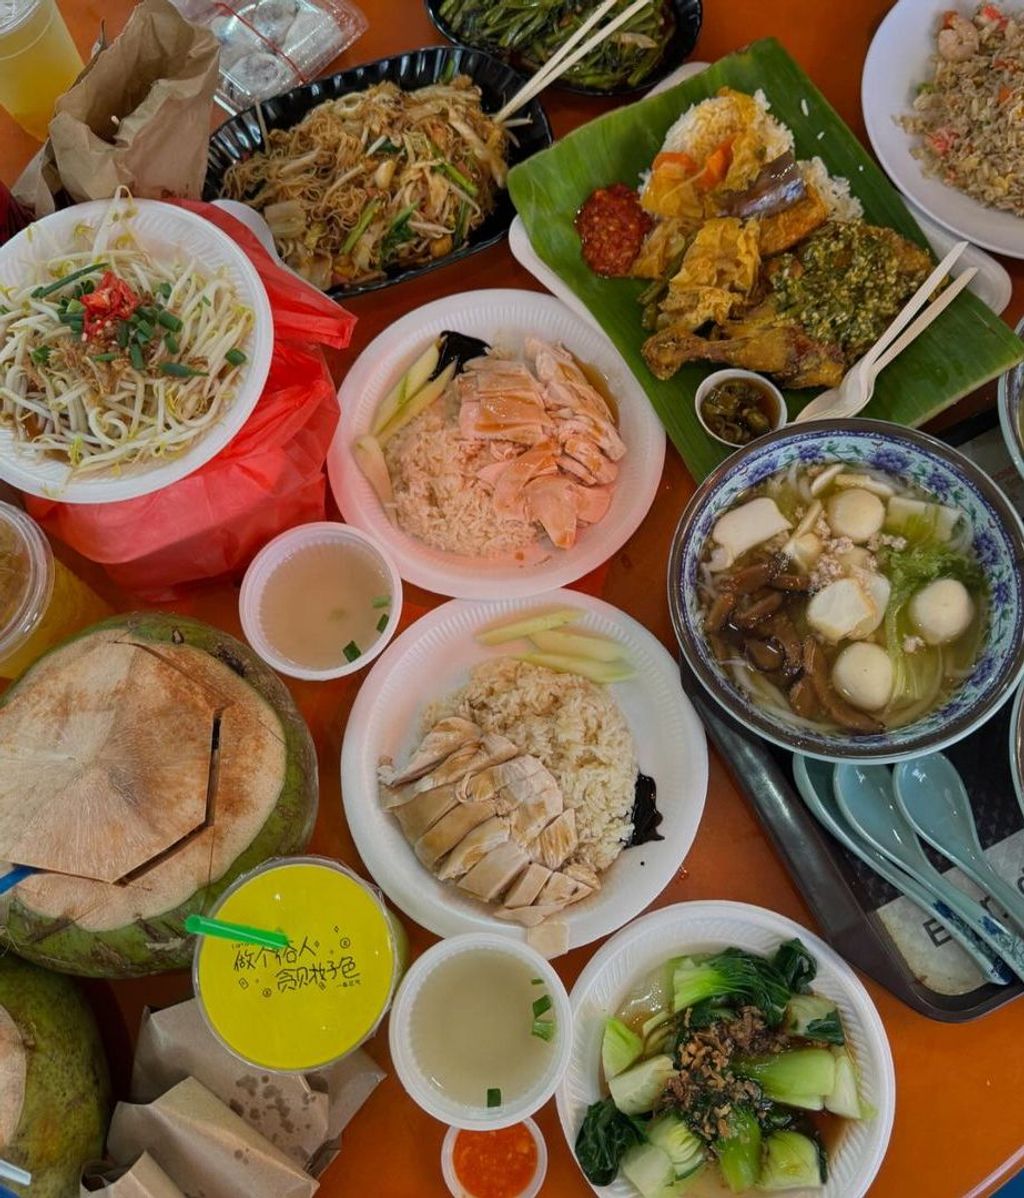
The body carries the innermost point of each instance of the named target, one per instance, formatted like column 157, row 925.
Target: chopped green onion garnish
column 179, row 370
column 146, row 313
column 541, row 1005
column 50, row 288
column 123, row 333
column 143, row 329
column 171, row 342
column 169, row 320
column 380, row 601
column 494, row 1097
column 136, row 356
column 536, row 981
column 235, row 357
column 359, row 227
column 41, row 354
column 382, row 623
column 352, row 651
column 104, row 357
column 163, row 289
column 74, row 306
column 544, row 1028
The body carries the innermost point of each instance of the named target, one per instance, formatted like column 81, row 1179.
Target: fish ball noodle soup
column 842, row 598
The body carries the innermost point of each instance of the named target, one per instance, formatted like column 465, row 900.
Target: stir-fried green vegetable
column 528, row 32
column 732, row 972
column 603, row 1139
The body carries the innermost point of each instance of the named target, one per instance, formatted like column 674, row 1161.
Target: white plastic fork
column 855, row 391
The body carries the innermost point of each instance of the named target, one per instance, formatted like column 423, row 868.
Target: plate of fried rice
column 943, row 99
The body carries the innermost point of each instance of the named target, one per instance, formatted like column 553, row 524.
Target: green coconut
column 144, row 765
column 54, row 1088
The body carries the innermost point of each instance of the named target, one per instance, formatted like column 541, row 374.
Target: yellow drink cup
column 311, row 1004
column 41, row 600
column 38, row 61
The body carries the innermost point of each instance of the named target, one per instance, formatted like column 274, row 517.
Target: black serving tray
column 844, row 894
column 689, row 17
column 241, row 136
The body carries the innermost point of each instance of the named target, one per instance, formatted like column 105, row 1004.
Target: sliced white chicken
column 839, row 608
column 534, row 813
column 497, row 871
column 563, row 889
column 529, row 917
column 474, row 847
column 550, row 939
column 425, row 809
column 527, row 886
column 469, row 759
column 441, row 741
column 450, row 830
column 751, row 524
column 486, row 783
column 557, row 842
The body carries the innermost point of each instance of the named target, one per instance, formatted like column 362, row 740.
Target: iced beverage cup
column 38, row 61
column 41, row 600
column 310, row 1004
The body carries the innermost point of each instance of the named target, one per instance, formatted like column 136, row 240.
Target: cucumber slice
column 620, row 1047
column 844, row 1099
column 516, row 629
column 573, row 644
column 673, row 1137
column 596, row 671
column 416, row 404
column 370, row 459
column 406, row 387
column 791, row 1162
column 637, row 1091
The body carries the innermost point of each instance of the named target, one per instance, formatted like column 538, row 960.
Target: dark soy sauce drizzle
column 646, row 816
column 459, row 348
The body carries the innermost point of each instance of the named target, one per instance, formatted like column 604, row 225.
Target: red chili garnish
column 111, row 301
column 495, row 1164
column 612, row 227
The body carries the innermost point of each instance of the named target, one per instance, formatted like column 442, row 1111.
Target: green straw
column 201, row 925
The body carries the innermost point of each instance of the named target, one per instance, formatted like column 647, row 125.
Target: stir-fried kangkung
column 755, row 259
column 376, row 180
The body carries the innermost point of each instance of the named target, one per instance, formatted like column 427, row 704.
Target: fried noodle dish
column 112, row 356
column 377, row 180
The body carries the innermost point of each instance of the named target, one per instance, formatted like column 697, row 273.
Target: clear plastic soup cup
column 332, row 986
column 779, row 419
column 275, row 556
column 458, row 1190
column 403, row 1054
column 33, row 587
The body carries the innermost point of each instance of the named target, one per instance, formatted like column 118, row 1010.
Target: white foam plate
column 707, row 927
column 502, row 318
column 167, row 231
column 897, row 61
column 432, row 659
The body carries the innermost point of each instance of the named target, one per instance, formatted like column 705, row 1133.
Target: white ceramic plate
column 432, row 659
column 183, row 236
column 503, row 318
column 897, row 61
column 708, row 927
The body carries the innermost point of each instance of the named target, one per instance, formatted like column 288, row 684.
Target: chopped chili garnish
column 612, row 227
column 111, row 301
column 495, row 1164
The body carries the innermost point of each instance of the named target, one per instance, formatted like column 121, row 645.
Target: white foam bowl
column 272, row 557
column 403, row 1054
column 703, row 927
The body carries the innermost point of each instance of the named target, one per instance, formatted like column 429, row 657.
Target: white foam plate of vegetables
column 719, row 1049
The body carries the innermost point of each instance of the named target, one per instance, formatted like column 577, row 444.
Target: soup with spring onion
column 842, row 598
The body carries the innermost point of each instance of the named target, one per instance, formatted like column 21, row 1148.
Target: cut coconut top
column 106, row 766
column 245, row 783
column 13, row 1067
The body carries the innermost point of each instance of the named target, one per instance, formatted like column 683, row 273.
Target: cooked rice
column 970, row 114
column 834, row 190
column 576, row 729
column 705, row 125
column 438, row 499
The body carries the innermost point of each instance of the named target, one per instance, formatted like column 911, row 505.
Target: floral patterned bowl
column 916, row 458
column 1011, row 410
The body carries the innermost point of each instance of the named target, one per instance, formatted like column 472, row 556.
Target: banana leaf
column 965, row 347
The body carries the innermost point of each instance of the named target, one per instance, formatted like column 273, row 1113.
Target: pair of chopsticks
column 570, row 53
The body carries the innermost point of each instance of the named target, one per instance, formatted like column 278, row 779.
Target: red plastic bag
column 268, row 478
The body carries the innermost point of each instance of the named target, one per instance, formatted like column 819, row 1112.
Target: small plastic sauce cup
column 451, row 1177
column 309, row 1005
column 41, row 600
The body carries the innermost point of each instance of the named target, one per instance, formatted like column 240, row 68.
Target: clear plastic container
column 38, row 61
column 41, row 600
column 307, row 1006
column 270, row 46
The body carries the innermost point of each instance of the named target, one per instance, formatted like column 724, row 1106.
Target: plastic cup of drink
column 307, row 1006
column 41, row 600
column 38, row 61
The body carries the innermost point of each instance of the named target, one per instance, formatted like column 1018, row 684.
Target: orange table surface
column 959, row 1128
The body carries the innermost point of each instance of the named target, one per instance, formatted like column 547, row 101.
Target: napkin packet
column 202, row 1122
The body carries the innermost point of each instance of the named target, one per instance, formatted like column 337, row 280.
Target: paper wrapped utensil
column 301, row 1114
column 142, row 1179
column 205, row 1147
column 138, row 116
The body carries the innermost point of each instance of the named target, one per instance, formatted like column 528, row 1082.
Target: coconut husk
column 13, row 1070
column 301, row 1114
column 204, row 1147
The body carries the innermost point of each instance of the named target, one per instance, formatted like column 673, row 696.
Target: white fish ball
column 942, row 611
column 862, row 674
column 856, row 514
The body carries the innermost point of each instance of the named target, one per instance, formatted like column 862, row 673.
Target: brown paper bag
column 138, row 116
column 204, row 1147
column 143, row 1179
column 301, row 1114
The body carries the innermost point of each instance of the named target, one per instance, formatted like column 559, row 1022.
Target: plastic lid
column 14, row 12
column 311, row 1004
column 26, row 577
